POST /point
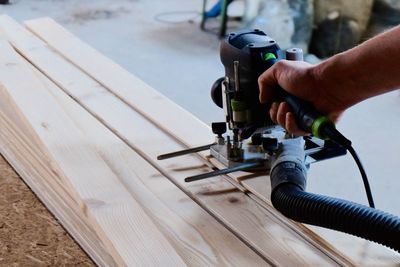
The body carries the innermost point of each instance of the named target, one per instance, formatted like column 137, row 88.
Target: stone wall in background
column 289, row 22
column 274, row 18
column 385, row 14
column 323, row 27
column 339, row 25
column 302, row 16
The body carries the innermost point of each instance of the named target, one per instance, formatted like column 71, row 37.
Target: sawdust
column 29, row 234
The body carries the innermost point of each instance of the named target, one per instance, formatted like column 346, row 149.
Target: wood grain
column 233, row 200
column 138, row 97
column 23, row 149
column 196, row 236
column 29, row 234
column 112, row 112
column 119, row 219
column 125, row 85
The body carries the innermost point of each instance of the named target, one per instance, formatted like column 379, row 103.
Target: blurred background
column 162, row 41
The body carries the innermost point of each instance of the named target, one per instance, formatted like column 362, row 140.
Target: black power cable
column 311, row 121
column 330, row 131
column 363, row 175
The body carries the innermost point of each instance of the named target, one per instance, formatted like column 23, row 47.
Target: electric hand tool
column 255, row 144
column 253, row 139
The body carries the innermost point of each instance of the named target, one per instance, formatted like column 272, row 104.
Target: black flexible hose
column 337, row 214
column 288, row 183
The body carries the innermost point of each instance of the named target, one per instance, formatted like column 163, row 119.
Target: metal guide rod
column 242, row 167
column 184, row 152
column 236, row 71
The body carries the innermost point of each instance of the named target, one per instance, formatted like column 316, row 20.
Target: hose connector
column 289, row 166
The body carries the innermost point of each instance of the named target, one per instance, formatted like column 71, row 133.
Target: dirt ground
column 29, row 234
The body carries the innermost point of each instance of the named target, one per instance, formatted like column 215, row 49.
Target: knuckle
column 260, row 79
column 280, row 65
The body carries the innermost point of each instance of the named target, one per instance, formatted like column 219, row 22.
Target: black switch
column 256, row 139
column 270, row 144
column 247, row 131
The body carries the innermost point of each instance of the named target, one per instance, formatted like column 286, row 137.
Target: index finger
column 266, row 83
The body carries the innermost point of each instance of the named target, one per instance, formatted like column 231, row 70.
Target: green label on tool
column 238, row 105
column 269, row 56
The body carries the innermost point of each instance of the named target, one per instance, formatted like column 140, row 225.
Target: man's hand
column 336, row 83
column 299, row 79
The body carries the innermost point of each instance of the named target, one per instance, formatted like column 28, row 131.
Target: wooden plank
column 146, row 98
column 118, row 219
column 259, row 233
column 176, row 221
column 78, row 53
column 131, row 90
column 31, row 163
column 197, row 237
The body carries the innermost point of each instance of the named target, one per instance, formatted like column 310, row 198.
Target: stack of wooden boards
column 84, row 134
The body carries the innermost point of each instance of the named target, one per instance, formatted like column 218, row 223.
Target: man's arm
column 337, row 83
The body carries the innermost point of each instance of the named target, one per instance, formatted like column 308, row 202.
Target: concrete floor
column 182, row 62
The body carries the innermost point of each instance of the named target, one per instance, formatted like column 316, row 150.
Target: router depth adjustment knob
column 269, row 144
column 295, row 54
column 218, row 128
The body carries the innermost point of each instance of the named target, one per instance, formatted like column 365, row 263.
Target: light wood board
column 102, row 198
column 128, row 91
column 25, row 153
column 197, row 237
column 115, row 113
